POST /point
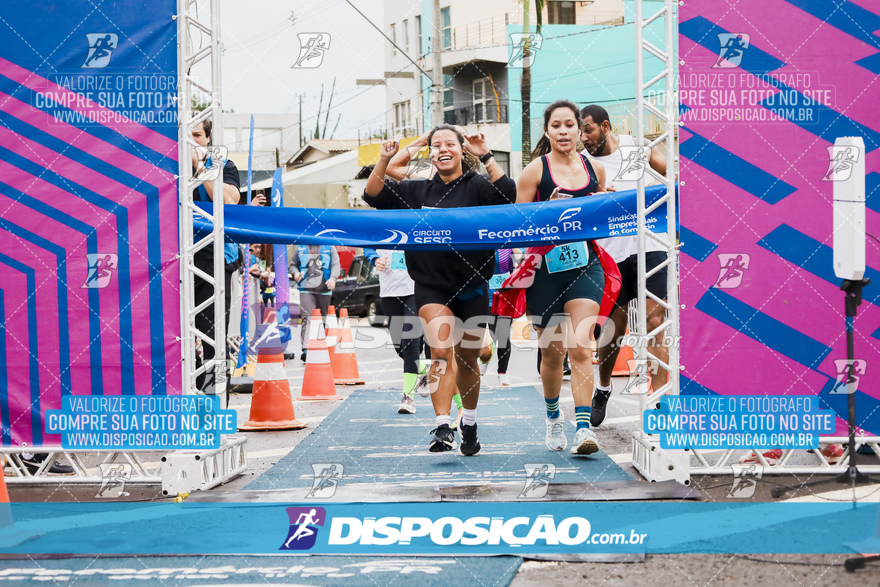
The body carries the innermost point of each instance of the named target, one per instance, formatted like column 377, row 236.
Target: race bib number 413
column 567, row 257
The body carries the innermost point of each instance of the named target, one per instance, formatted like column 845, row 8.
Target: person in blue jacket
column 314, row 268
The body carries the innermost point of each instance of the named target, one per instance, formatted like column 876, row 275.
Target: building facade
column 481, row 88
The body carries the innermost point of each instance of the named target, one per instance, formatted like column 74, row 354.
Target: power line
column 381, row 32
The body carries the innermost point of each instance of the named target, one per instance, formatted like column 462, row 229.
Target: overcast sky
column 261, row 45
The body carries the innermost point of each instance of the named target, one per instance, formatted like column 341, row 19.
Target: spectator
column 204, row 259
column 314, row 269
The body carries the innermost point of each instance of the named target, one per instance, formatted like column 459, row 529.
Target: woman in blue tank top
column 565, row 296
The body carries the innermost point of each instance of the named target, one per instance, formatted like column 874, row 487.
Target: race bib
column 566, row 257
column 398, row 260
column 498, row 280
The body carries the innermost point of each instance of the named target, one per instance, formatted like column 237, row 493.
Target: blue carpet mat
column 192, row 571
column 376, row 445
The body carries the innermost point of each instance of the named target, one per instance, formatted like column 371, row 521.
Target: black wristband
column 485, row 158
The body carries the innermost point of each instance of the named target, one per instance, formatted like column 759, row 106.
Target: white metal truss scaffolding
column 199, row 39
column 653, row 462
column 229, row 460
column 177, row 471
column 141, row 472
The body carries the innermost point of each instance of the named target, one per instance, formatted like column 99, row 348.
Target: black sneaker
column 469, row 443
column 600, row 401
column 33, row 464
column 444, row 439
column 302, row 357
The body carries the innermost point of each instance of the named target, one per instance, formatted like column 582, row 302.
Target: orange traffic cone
column 345, row 366
column 332, row 332
column 271, row 403
column 10, row 534
column 318, row 379
column 621, row 365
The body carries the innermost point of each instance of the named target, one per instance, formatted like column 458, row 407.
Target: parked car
column 358, row 291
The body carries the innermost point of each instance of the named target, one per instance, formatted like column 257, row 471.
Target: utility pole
column 437, row 72
column 526, row 89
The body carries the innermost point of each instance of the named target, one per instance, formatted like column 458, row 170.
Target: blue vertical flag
column 245, row 301
column 282, row 283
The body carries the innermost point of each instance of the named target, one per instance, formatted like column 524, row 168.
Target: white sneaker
column 407, row 405
column 585, row 442
column 555, row 437
column 504, row 380
column 483, row 368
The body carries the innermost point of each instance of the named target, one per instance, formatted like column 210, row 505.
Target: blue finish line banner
column 447, row 528
column 439, row 229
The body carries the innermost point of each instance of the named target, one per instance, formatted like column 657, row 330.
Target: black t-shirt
column 453, row 271
column 230, row 177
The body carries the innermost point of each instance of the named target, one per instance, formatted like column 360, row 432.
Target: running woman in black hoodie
column 451, row 287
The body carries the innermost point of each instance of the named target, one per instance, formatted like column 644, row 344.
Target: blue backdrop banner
column 90, row 294
column 474, row 228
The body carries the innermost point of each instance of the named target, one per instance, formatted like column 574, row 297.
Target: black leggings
column 500, row 331
column 405, row 330
column 204, row 320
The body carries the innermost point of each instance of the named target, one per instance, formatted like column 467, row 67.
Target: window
column 560, row 12
column 503, row 160
column 448, row 100
column 406, row 36
column 393, row 38
column 483, row 100
column 419, row 48
column 366, row 270
column 360, row 269
column 445, row 29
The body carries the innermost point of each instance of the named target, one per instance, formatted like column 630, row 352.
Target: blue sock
column 582, row 416
column 552, row 407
